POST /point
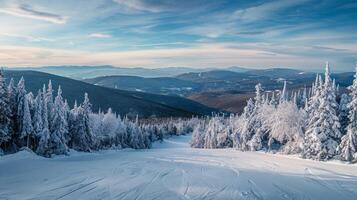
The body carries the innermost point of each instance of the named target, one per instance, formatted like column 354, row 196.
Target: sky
column 299, row 34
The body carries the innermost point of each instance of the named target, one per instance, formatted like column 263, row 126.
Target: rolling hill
column 164, row 85
column 123, row 102
column 85, row 72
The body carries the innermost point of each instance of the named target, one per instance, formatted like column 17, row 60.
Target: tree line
column 47, row 125
column 317, row 123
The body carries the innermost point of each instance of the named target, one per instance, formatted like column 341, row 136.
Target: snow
column 173, row 170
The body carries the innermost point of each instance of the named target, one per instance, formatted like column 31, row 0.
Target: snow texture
column 173, row 170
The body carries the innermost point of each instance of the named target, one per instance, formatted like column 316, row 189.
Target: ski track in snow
column 173, row 170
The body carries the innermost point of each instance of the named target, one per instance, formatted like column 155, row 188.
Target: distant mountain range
column 226, row 89
column 121, row 101
column 215, row 80
column 85, row 72
column 162, row 85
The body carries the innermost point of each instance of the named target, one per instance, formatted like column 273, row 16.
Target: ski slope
column 173, row 170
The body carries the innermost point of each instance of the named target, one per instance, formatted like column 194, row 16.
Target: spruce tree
column 348, row 146
column 343, row 112
column 59, row 127
column 323, row 131
column 283, row 94
column 5, row 112
column 12, row 94
column 26, row 131
column 37, row 116
column 43, row 147
column 82, row 138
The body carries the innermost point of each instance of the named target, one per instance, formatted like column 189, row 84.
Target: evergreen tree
column 283, row 94
column 26, row 130
column 49, row 102
column 12, row 94
column 82, row 138
column 37, row 117
column 348, row 146
column 43, row 147
column 20, row 101
column 245, row 127
column 343, row 112
column 323, row 131
column 5, row 112
column 59, row 128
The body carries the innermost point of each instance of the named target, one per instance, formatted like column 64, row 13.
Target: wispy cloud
column 158, row 44
column 27, row 37
column 266, row 10
column 156, row 6
column 27, row 11
column 202, row 55
column 99, row 35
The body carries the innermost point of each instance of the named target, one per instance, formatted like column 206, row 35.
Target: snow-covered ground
column 172, row 170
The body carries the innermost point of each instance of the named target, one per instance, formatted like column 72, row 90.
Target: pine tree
column 343, row 112
column 5, row 112
column 323, row 131
column 82, row 138
column 348, row 146
column 43, row 147
column 37, row 116
column 258, row 95
column 20, row 99
column 12, row 94
column 245, row 127
column 49, row 102
column 59, row 127
column 283, row 94
column 26, row 130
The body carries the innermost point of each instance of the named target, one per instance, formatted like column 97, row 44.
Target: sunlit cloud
column 217, row 55
column 27, row 37
column 99, row 35
column 195, row 33
column 265, row 10
column 27, row 11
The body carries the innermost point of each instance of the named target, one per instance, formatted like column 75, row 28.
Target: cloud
column 99, row 35
column 28, row 37
column 159, row 44
column 202, row 55
column 265, row 10
column 156, row 6
column 27, row 11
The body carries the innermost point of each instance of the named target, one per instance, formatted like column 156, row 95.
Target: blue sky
column 197, row 33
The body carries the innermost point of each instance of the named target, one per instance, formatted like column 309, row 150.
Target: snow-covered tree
column 12, row 93
column 343, row 112
column 26, row 131
column 20, row 102
column 348, row 146
column 285, row 124
column 81, row 134
column 198, row 136
column 43, row 147
column 5, row 112
column 323, row 132
column 245, row 130
column 49, row 102
column 283, row 94
column 37, row 116
column 59, row 128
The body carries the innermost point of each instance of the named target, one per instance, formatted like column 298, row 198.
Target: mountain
column 164, row 85
column 280, row 73
column 123, row 102
column 85, row 72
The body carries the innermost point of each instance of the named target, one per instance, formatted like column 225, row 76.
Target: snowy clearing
column 173, row 170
